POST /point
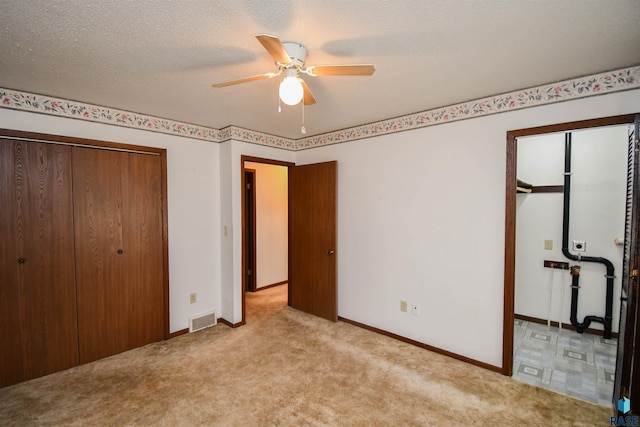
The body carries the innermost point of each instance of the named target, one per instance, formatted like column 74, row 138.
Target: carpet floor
column 286, row 368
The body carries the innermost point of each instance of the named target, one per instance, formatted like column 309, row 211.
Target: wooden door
column 38, row 334
column 249, row 232
column 119, row 251
column 312, row 239
column 11, row 366
column 627, row 380
column 98, row 235
column 142, row 245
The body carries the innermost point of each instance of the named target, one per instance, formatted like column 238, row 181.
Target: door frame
column 510, row 218
column 243, row 202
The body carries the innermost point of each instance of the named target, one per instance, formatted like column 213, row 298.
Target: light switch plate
column 403, row 306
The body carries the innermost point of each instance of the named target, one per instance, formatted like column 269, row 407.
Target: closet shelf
column 526, row 188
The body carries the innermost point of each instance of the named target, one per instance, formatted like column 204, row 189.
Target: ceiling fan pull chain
column 279, row 100
column 303, row 130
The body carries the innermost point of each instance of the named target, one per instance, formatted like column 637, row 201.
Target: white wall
column 598, row 190
column 272, row 226
column 421, row 218
column 193, row 191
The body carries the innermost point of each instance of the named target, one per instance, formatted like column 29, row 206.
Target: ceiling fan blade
column 309, row 99
column 274, row 47
column 341, row 70
column 246, row 79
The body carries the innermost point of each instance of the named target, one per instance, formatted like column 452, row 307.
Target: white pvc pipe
column 549, row 302
column 561, row 303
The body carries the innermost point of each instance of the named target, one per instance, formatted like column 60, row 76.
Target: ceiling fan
column 289, row 58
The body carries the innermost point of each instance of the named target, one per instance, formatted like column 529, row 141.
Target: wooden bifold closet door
column 83, row 252
column 118, row 239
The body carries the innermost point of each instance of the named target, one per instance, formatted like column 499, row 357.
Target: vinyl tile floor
column 578, row 365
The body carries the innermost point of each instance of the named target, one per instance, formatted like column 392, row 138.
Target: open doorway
column 311, row 219
column 565, row 336
column 264, row 236
column 536, row 310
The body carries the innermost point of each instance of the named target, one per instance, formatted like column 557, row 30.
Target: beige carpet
column 286, row 368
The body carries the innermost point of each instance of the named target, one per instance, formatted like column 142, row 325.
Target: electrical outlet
column 415, row 309
column 192, row 299
column 579, row 246
column 403, row 306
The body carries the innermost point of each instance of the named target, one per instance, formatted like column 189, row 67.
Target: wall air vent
column 202, row 321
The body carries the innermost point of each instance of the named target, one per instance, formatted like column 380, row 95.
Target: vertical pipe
column 606, row 321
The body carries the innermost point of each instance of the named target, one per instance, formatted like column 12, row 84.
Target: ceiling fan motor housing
column 296, row 52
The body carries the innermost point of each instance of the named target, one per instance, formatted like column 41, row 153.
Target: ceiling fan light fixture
column 291, row 92
column 290, row 59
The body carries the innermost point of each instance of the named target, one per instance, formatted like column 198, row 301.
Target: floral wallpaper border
column 599, row 84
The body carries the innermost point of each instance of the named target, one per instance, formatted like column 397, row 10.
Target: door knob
column 330, row 252
column 21, row 260
column 120, row 251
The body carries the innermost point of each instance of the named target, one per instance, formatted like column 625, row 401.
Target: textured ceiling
column 160, row 57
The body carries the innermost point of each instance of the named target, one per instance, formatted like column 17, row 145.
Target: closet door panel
column 119, row 261
column 142, row 234
column 11, row 366
column 100, row 256
column 45, row 243
column 42, row 222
